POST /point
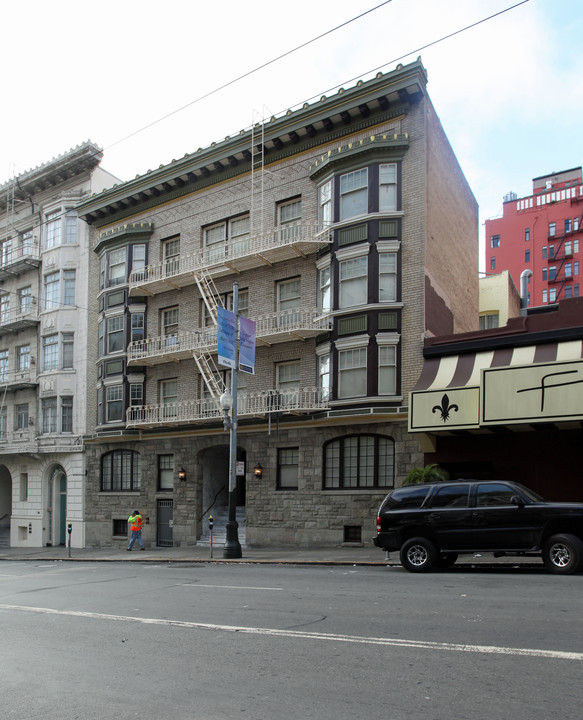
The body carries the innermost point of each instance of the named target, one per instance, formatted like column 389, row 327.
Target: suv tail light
column 378, row 523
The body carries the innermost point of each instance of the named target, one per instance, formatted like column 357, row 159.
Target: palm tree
column 428, row 474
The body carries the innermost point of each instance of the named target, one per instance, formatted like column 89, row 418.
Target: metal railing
column 224, row 252
column 260, row 404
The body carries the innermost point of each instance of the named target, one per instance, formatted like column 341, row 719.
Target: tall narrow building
column 44, row 316
column 348, row 234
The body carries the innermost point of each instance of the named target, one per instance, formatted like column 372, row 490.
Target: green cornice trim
column 383, row 147
column 128, row 232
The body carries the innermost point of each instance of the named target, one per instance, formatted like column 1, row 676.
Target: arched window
column 359, row 462
column 120, row 471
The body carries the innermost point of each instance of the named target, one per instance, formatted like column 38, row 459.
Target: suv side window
column 492, row 494
column 451, row 496
column 406, row 499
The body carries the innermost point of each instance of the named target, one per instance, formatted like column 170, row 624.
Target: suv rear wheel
column 418, row 555
column 563, row 554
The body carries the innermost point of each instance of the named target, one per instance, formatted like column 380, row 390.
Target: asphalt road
column 263, row 642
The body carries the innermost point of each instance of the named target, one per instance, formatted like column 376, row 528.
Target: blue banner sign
column 247, row 345
column 227, row 336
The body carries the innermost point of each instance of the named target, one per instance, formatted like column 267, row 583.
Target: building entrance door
column 164, row 524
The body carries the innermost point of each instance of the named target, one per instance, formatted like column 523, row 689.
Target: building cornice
column 365, row 106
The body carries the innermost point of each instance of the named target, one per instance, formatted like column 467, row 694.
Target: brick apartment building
column 540, row 233
column 44, row 266
column 352, row 235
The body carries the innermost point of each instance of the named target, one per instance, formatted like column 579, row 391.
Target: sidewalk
column 343, row 555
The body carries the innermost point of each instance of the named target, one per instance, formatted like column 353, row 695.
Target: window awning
column 509, row 386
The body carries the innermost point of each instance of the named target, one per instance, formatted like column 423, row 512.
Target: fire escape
column 562, row 267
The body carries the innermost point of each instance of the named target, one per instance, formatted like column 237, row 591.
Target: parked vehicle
column 432, row 524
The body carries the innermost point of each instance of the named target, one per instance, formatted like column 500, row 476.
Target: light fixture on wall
column 182, row 474
column 258, row 471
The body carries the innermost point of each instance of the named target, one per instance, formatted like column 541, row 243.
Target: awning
column 508, row 386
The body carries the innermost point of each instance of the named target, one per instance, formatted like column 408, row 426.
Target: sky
column 151, row 82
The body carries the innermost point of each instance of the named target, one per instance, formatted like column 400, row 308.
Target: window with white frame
column 353, row 281
column 387, row 369
column 68, row 287
column 71, row 227
column 215, row 238
column 4, row 366
column 288, row 468
column 113, row 403
column 495, row 241
column 242, row 301
column 387, row 277
column 49, row 415
column 568, row 247
column 138, row 327
column 138, row 257
column 169, row 397
column 136, row 394
column 67, row 351
column 53, row 229
column 24, row 300
column 117, row 273
column 289, row 301
column 552, row 294
column 288, row 383
column 171, row 255
column 354, row 194
column 50, row 344
column 545, row 298
column 26, row 242
column 115, row 334
column 388, row 187
column 66, row 414
column 4, row 308
column 21, row 419
column 170, row 326
column 324, row 377
column 552, row 229
column 52, row 290
column 325, row 205
column 238, row 240
column 352, row 372
column 23, row 358
column 290, row 220
column 6, row 252
column 324, row 294
column 568, row 270
column 166, row 472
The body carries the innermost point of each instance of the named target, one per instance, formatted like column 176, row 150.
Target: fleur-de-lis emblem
column 445, row 408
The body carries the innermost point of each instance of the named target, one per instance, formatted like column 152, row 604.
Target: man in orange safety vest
column 135, row 521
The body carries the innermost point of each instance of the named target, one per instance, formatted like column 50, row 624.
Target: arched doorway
column 5, row 505
column 57, row 507
column 215, row 487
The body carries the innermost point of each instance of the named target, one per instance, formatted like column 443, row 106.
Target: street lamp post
column 228, row 401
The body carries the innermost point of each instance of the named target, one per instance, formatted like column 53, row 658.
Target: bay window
column 388, row 187
column 354, row 194
column 353, row 281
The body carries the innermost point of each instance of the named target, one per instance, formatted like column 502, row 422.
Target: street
column 212, row 641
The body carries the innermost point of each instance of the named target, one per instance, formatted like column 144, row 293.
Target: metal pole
column 232, row 547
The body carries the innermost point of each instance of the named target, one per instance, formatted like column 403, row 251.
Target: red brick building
column 541, row 233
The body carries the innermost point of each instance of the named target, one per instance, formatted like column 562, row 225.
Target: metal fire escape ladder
column 257, row 174
column 206, row 365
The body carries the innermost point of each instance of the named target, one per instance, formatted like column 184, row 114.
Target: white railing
column 205, row 340
column 223, row 253
column 261, row 404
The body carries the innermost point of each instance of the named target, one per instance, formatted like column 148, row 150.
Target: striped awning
column 454, row 371
column 508, row 386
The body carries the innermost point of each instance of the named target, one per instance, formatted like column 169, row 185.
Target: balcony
column 18, row 441
column 280, row 327
column 259, row 405
column 18, row 380
column 14, row 321
column 282, row 243
column 16, row 261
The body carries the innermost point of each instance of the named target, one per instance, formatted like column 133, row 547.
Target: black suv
column 432, row 524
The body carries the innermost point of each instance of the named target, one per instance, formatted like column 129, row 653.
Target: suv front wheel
column 418, row 555
column 563, row 554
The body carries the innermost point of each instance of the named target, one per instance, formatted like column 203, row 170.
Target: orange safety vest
column 136, row 522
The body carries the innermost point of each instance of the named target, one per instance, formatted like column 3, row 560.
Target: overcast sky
column 509, row 91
